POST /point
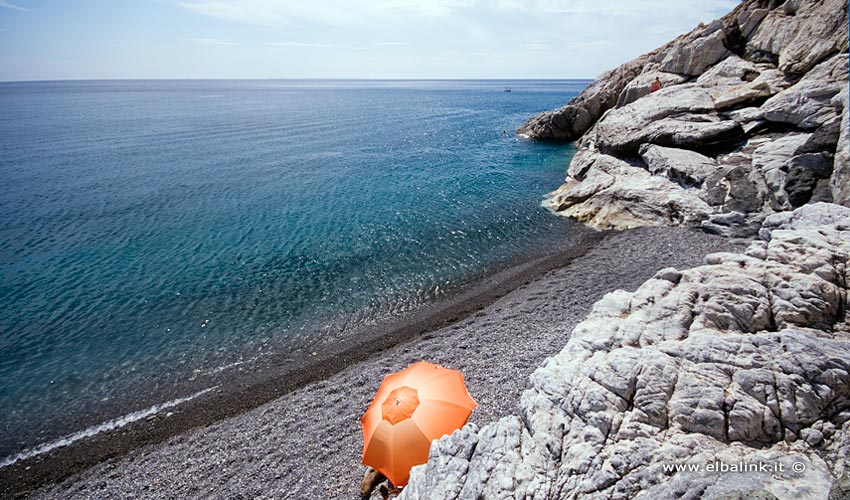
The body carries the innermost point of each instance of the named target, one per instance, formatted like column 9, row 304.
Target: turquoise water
column 154, row 230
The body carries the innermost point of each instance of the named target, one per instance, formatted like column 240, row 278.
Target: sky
column 404, row 39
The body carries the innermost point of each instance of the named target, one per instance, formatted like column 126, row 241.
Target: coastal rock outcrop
column 807, row 104
column 574, row 119
column 695, row 52
column 755, row 102
column 795, row 34
column 736, row 369
column 606, row 191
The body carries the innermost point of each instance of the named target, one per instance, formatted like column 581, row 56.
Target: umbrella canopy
column 412, row 408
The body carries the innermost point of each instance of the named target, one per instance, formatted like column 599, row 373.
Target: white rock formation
column 739, row 93
column 681, row 116
column 682, row 166
column 697, row 51
column 745, row 360
column 800, row 33
column 605, row 191
column 642, row 84
column 807, row 104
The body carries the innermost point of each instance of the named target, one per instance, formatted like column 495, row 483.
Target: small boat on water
column 507, row 89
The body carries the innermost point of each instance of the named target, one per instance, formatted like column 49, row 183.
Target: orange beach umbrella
column 412, row 408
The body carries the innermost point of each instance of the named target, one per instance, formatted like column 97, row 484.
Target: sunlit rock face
column 744, row 360
column 740, row 92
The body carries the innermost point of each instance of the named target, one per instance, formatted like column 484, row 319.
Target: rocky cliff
column 752, row 119
column 743, row 362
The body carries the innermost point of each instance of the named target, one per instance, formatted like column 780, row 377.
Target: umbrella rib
column 407, row 443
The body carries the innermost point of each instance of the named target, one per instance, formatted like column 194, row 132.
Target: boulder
column 802, row 33
column 749, row 19
column 809, row 217
column 625, row 133
column 807, row 104
column 825, row 138
column 776, row 80
column 731, row 187
column 769, row 171
column 694, row 53
column 680, row 116
column 735, row 81
column 804, row 179
column 733, row 224
column 682, row 166
column 564, row 124
column 606, row 192
column 740, row 94
column 744, row 362
column 730, row 71
column 738, row 163
column 745, row 115
column 642, row 85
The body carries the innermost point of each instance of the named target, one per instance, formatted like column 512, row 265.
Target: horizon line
column 290, row 79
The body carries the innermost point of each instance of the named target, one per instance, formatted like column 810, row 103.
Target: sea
column 153, row 232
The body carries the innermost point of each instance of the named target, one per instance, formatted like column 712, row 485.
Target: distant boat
column 507, row 89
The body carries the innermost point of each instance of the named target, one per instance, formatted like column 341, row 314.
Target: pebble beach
column 307, row 443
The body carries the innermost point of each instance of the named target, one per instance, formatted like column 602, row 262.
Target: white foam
column 228, row 366
column 107, row 426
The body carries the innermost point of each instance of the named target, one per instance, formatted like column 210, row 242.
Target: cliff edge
column 752, row 119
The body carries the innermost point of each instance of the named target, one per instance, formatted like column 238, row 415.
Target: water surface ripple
column 154, row 230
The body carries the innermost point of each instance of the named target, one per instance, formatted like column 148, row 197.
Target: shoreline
column 222, row 396
column 312, row 431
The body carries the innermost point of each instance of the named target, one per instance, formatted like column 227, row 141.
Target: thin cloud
column 276, row 12
column 537, row 45
column 389, row 44
column 328, row 12
column 589, row 44
column 614, row 7
column 298, row 44
column 346, row 12
column 4, row 3
column 431, row 8
column 211, row 41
